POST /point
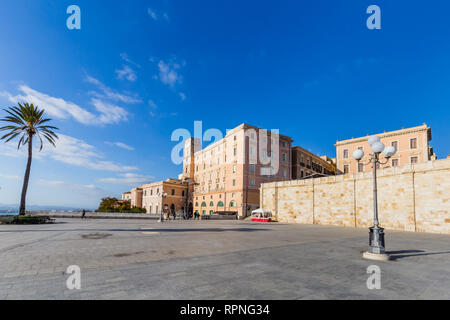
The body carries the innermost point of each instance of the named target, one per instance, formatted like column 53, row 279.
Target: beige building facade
column 412, row 144
column 228, row 173
column 306, row 164
column 163, row 196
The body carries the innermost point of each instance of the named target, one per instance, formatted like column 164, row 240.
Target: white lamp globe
column 389, row 151
column 377, row 147
column 373, row 139
column 358, row 154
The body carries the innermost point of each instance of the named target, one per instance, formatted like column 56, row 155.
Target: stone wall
column 410, row 198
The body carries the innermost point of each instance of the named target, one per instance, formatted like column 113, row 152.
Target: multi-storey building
column 229, row 172
column 168, row 196
column 226, row 175
column 412, row 144
column 306, row 164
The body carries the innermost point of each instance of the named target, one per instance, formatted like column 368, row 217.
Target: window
column 173, row 192
column 252, row 168
column 395, row 162
column 203, row 204
column 252, row 182
column 414, row 160
column 234, row 168
column 220, row 204
column 283, row 157
column 234, row 182
column 360, row 167
column 413, row 143
column 395, row 144
column 211, row 204
column 182, row 193
column 346, row 168
column 302, row 174
column 284, row 173
column 345, row 153
column 232, row 204
column 235, row 138
column 235, row 151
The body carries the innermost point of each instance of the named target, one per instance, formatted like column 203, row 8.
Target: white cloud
column 152, row 104
column 69, row 150
column 128, row 179
column 109, row 113
column 62, row 109
column 110, row 94
column 168, row 73
column 155, row 16
column 182, row 96
column 125, row 58
column 126, row 73
column 10, row 177
column 120, row 145
column 152, row 14
column 90, row 191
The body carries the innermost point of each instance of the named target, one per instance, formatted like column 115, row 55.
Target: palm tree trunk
column 27, row 175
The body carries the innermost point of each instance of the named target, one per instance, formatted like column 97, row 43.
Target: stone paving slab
column 215, row 260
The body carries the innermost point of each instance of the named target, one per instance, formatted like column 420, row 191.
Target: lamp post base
column 376, row 256
column 376, row 240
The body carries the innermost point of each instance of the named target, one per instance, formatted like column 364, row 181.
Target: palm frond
column 28, row 120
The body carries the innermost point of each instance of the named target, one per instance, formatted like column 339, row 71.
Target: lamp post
column 162, row 195
column 376, row 238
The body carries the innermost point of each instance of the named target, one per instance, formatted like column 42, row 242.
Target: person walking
column 83, row 214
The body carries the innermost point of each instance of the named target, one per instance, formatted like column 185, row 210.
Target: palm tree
column 27, row 121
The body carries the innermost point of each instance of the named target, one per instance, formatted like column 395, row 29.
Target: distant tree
column 27, row 121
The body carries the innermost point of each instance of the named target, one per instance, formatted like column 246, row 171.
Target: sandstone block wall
column 410, row 198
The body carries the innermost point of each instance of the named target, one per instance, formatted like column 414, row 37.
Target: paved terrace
column 130, row 259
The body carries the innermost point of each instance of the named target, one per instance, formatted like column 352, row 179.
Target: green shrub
column 27, row 219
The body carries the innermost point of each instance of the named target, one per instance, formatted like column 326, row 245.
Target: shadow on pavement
column 395, row 255
column 142, row 230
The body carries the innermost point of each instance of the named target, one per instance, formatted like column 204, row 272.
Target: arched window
column 220, row 204
column 196, row 204
column 232, row 204
column 211, row 212
column 173, row 192
column 211, row 204
column 203, row 204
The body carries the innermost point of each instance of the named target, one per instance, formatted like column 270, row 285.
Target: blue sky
column 138, row 70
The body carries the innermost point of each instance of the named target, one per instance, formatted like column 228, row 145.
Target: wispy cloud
column 128, row 179
column 120, row 145
column 183, row 96
column 152, row 104
column 126, row 73
column 156, row 15
column 125, row 58
column 62, row 109
column 110, row 94
column 9, row 176
column 90, row 191
column 168, row 73
column 71, row 151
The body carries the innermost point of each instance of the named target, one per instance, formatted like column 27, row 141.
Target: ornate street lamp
column 376, row 239
column 162, row 195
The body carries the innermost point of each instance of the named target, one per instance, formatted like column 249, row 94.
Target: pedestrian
column 83, row 214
